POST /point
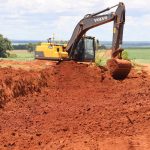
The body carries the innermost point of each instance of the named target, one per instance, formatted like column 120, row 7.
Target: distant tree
column 5, row 44
column 97, row 41
column 20, row 47
column 31, row 47
column 38, row 43
column 97, row 44
column 102, row 47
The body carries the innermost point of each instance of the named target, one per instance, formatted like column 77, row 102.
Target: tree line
column 29, row 46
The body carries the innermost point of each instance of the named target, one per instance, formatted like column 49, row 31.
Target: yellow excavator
column 82, row 48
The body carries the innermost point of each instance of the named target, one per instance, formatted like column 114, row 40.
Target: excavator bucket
column 119, row 68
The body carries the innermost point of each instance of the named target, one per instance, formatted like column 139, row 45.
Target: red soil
column 73, row 107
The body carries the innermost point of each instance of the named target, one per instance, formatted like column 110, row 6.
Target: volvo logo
column 101, row 19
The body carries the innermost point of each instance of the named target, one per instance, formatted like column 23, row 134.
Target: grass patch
column 139, row 55
column 101, row 57
column 20, row 55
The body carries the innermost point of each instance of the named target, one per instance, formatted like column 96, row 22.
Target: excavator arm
column 93, row 20
column 119, row 21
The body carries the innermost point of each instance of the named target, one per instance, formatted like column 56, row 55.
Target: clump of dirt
column 75, row 106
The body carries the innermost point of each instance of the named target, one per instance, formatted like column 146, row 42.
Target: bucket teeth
column 119, row 68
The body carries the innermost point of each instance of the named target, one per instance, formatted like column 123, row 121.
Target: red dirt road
column 73, row 106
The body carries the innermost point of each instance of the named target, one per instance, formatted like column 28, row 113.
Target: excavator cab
column 85, row 51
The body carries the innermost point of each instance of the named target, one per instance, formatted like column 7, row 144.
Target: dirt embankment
column 74, row 106
column 15, row 83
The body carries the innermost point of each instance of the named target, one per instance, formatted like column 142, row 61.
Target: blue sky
column 39, row 19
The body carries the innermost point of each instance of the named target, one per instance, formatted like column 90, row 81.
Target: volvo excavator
column 82, row 48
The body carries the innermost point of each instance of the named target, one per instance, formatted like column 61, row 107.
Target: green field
column 20, row 55
column 139, row 56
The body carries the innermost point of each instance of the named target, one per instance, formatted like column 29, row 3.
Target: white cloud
column 131, row 4
column 37, row 19
column 45, row 6
column 142, row 21
column 64, row 25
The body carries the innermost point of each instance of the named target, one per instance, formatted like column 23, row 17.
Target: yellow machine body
column 51, row 51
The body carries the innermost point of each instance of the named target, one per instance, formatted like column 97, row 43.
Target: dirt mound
column 75, row 106
column 15, row 83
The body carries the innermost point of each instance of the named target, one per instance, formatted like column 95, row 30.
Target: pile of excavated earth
column 72, row 106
